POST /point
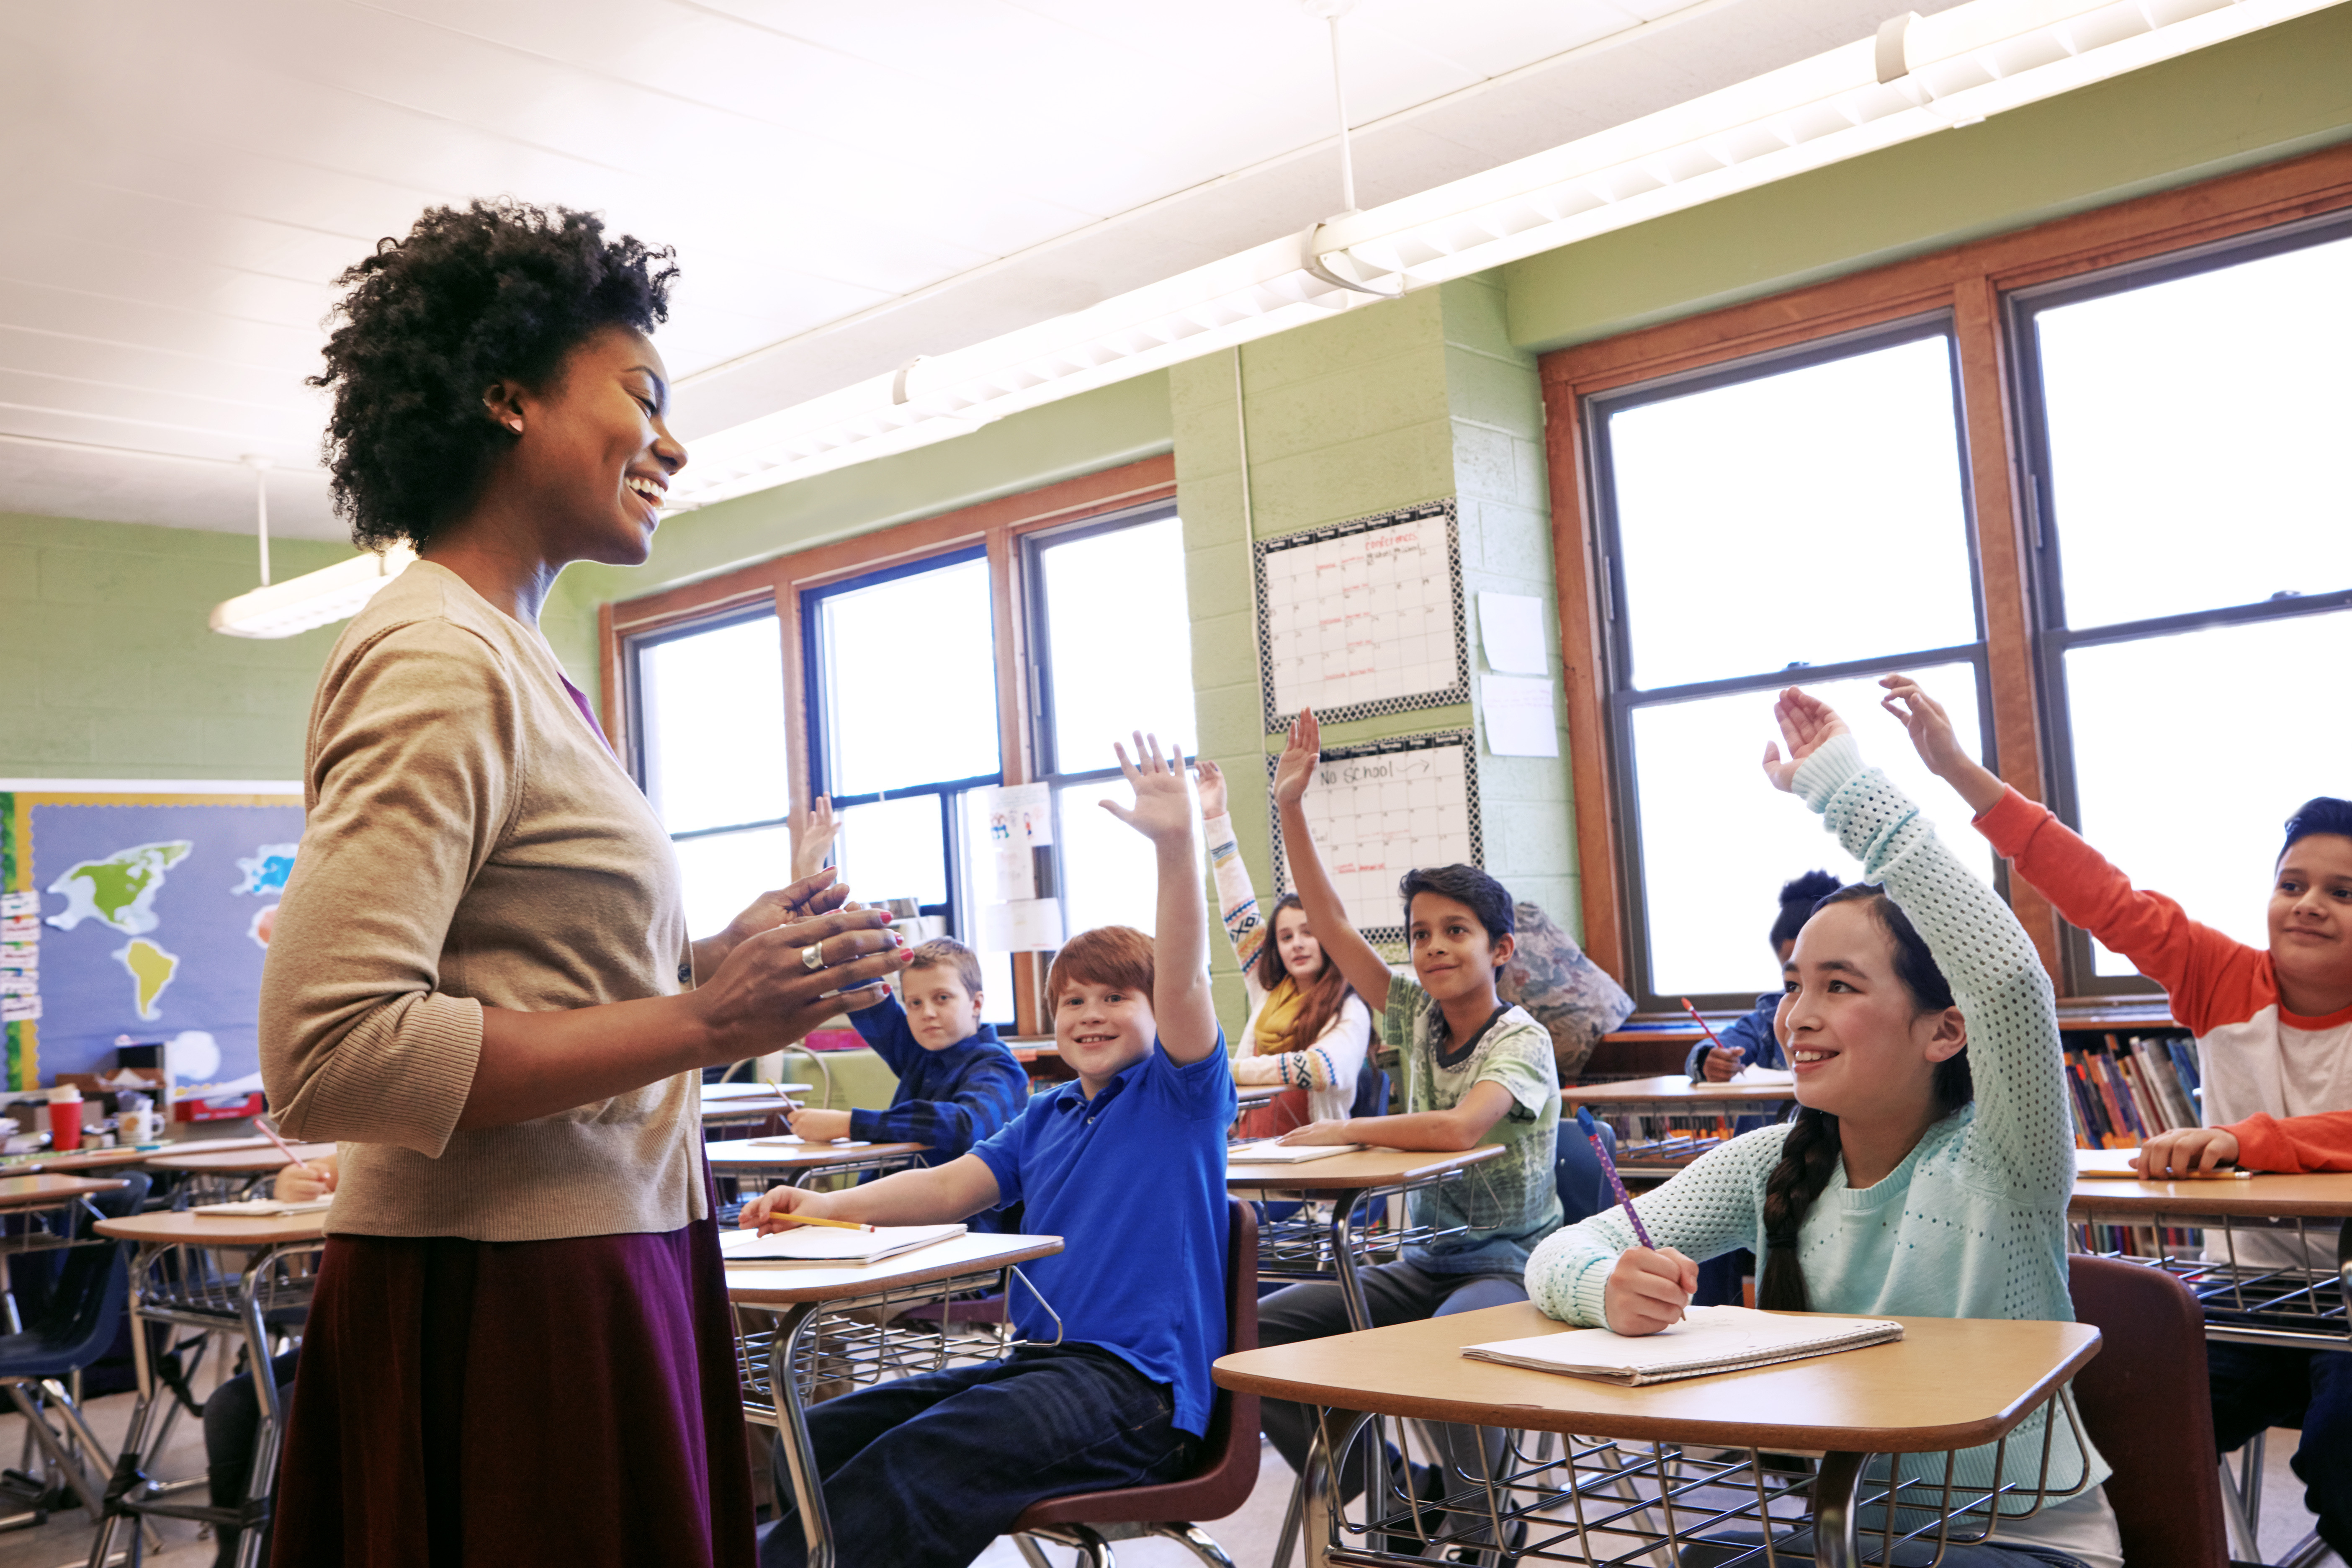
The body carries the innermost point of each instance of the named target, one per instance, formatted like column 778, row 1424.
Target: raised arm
column 1246, row 927
column 1366, row 970
column 1995, row 975
column 1162, row 812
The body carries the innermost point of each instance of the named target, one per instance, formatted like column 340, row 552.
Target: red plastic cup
column 64, row 1125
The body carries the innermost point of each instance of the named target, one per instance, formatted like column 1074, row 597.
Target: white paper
column 1024, row 925
column 19, row 1009
column 1017, row 873
column 1764, row 1078
column 1020, row 817
column 1511, row 625
column 16, row 906
column 1519, row 721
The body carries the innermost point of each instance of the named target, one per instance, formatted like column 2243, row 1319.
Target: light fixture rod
column 261, row 519
column 1339, row 100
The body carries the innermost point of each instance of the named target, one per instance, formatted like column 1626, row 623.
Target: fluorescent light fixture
column 331, row 593
column 1918, row 75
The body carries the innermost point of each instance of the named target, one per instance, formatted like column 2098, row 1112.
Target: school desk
column 1303, row 1246
column 234, row 1276
column 41, row 1201
column 800, row 1164
column 1901, row 1397
column 2246, row 1302
column 811, row 1342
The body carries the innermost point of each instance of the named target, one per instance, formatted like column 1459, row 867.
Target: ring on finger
column 812, row 957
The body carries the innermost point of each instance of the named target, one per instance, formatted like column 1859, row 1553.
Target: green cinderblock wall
column 109, row 668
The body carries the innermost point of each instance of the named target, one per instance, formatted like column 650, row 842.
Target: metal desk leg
column 1835, row 1536
column 791, row 1428
column 261, row 1482
column 1343, row 1261
column 143, row 1412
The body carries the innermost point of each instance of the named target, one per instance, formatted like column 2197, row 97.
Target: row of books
column 2138, row 1085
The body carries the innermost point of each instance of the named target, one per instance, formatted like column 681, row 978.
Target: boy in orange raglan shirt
column 2273, row 1031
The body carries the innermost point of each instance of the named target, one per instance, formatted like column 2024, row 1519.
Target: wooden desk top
column 1675, row 1088
column 732, row 1155
column 750, row 1108
column 1250, row 1094
column 79, row 1159
column 218, row 1162
column 970, row 1253
column 1949, row 1382
column 39, row 1191
column 164, row 1228
column 739, row 1090
column 2253, row 1198
column 1357, row 1171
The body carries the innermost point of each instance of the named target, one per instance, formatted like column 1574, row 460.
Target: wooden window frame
column 1968, row 283
column 999, row 525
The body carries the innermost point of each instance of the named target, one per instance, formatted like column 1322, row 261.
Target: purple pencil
column 1591, row 1132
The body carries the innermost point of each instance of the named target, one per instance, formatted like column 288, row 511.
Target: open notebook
column 260, row 1208
column 794, row 1141
column 816, row 1245
column 1708, row 1340
column 1271, row 1151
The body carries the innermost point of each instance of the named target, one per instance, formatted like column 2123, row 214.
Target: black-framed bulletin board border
column 1463, row 741
column 1277, row 722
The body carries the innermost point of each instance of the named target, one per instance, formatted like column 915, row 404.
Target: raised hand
column 1938, row 743
column 1807, row 725
column 1162, row 809
column 1305, row 749
column 813, row 832
column 1213, row 788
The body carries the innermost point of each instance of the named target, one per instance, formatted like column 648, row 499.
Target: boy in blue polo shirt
column 925, row 1471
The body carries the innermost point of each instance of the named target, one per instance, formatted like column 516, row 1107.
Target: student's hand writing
column 300, row 1183
column 820, row 1126
column 1648, row 1290
column 1162, row 810
column 813, row 832
column 1330, row 1130
column 1807, row 723
column 773, row 1210
column 1299, row 756
column 1939, row 744
column 766, row 996
column 2184, row 1151
column 1720, row 1063
column 1213, row 788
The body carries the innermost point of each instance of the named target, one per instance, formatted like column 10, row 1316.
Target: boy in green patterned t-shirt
column 1478, row 1071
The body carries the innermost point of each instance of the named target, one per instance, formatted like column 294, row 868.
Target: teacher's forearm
column 537, row 1064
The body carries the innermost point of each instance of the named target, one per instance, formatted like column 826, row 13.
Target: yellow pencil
column 812, row 1219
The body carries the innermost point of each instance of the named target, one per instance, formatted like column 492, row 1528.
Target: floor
column 1248, row 1536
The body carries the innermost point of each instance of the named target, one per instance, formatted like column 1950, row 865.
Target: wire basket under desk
column 1299, row 1246
column 1621, row 1503
column 2258, row 1281
column 854, row 1343
column 203, row 1287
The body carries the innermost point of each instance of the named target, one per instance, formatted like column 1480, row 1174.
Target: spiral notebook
column 1708, row 1340
column 1274, row 1151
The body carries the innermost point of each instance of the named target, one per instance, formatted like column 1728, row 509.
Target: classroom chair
column 1091, row 1521
column 2145, row 1404
column 1576, row 1171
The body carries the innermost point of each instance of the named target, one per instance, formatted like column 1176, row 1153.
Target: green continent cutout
column 119, row 889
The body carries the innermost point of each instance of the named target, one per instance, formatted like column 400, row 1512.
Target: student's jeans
column 924, row 1472
column 1797, row 1547
column 1396, row 1293
column 2257, row 1386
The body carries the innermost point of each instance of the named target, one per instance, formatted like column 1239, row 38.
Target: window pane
column 1120, row 642
column 892, row 849
column 908, row 680
column 977, row 885
column 1717, row 840
column 725, row 871
column 2196, row 438
column 1110, row 876
column 712, row 705
column 2186, row 822
column 1742, row 509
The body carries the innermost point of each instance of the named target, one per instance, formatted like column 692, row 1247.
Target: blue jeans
column 2259, row 1386
column 924, row 1472
column 1396, row 1293
column 1909, row 1554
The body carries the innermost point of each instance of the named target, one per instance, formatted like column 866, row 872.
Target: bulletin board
column 138, row 915
column 1378, row 810
column 1362, row 618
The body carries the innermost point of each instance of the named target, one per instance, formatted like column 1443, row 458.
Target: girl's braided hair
column 1809, row 1154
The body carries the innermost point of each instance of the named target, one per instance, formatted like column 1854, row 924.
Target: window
column 901, row 667
column 1799, row 519
column 2183, row 426
column 1111, row 650
column 709, row 731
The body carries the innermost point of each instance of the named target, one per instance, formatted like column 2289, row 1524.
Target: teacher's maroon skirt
column 505, row 1404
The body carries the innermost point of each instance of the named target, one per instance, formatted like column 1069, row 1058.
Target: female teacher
column 480, row 982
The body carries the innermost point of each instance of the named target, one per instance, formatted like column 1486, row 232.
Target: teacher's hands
column 818, row 893
column 766, row 995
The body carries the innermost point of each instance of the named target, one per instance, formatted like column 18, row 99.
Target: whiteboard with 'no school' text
column 1362, row 618
column 1378, row 810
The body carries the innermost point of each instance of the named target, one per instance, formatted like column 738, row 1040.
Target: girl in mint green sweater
column 1929, row 1170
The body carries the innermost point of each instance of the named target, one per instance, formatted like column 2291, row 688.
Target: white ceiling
column 848, row 184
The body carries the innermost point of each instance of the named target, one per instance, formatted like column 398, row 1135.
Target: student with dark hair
column 1477, row 1071
column 2273, row 1028
column 481, row 983
column 1749, row 1040
column 1929, row 1168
